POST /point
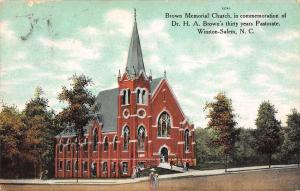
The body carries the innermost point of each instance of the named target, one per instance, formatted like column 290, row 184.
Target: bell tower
column 134, row 109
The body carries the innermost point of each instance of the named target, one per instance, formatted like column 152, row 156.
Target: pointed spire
column 165, row 74
column 135, row 15
column 135, row 63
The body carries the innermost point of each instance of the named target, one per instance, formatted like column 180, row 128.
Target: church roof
column 135, row 64
column 107, row 113
column 108, row 101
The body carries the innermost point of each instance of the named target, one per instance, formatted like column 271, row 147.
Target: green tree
column 11, row 128
column 207, row 156
column 40, row 131
column 268, row 135
column 80, row 101
column 293, row 133
column 222, row 124
column 244, row 152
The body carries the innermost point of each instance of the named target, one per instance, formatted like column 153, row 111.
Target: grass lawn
column 275, row 179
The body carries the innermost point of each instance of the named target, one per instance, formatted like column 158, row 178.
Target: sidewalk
column 190, row 173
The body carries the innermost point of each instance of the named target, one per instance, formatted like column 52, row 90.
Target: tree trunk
column 270, row 158
column 77, row 156
column 298, row 158
column 226, row 162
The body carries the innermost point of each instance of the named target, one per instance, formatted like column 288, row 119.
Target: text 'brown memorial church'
column 139, row 123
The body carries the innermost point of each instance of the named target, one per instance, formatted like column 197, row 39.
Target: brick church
column 139, row 123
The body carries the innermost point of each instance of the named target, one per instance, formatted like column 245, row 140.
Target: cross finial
column 134, row 14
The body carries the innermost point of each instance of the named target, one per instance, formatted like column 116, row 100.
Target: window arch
column 75, row 165
column 84, row 166
column 186, row 140
column 115, row 143
column 141, row 138
column 105, row 146
column 125, row 96
column 76, row 144
column 144, row 97
column 85, row 144
column 94, row 169
column 138, row 92
column 95, row 139
column 69, row 145
column 128, row 97
column 60, row 146
column 141, row 96
column 126, row 134
column 164, row 125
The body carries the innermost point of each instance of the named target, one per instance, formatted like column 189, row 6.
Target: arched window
column 68, row 166
column 128, row 97
column 105, row 147
column 75, row 165
column 61, row 146
column 141, row 138
column 95, row 140
column 115, row 143
column 144, row 97
column 85, row 145
column 94, row 169
column 126, row 134
column 124, row 97
column 84, row 166
column 104, row 167
column 69, row 145
column 76, row 145
column 164, row 125
column 138, row 92
column 141, row 96
column 186, row 140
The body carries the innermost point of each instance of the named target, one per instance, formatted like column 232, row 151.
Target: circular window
column 126, row 113
column 141, row 113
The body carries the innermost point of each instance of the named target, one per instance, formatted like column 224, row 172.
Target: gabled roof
column 70, row 131
column 107, row 104
column 135, row 64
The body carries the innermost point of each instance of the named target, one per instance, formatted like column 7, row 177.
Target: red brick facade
column 151, row 128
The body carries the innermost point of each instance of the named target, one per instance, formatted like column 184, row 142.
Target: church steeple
column 135, row 63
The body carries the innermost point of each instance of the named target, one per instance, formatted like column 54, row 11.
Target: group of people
column 186, row 165
column 136, row 172
column 153, row 181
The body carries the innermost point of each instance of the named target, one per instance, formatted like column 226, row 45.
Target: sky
column 43, row 43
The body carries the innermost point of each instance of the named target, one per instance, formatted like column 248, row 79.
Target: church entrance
column 164, row 155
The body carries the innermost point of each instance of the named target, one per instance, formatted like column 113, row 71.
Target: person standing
column 156, row 181
column 187, row 166
column 151, row 180
column 133, row 172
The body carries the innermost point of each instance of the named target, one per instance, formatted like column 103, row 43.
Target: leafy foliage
column 221, row 126
column 79, row 100
column 40, row 131
column 11, row 128
column 268, row 134
column 292, row 136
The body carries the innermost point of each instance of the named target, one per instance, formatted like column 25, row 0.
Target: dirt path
column 276, row 179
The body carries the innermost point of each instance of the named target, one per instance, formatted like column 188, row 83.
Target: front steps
column 168, row 166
